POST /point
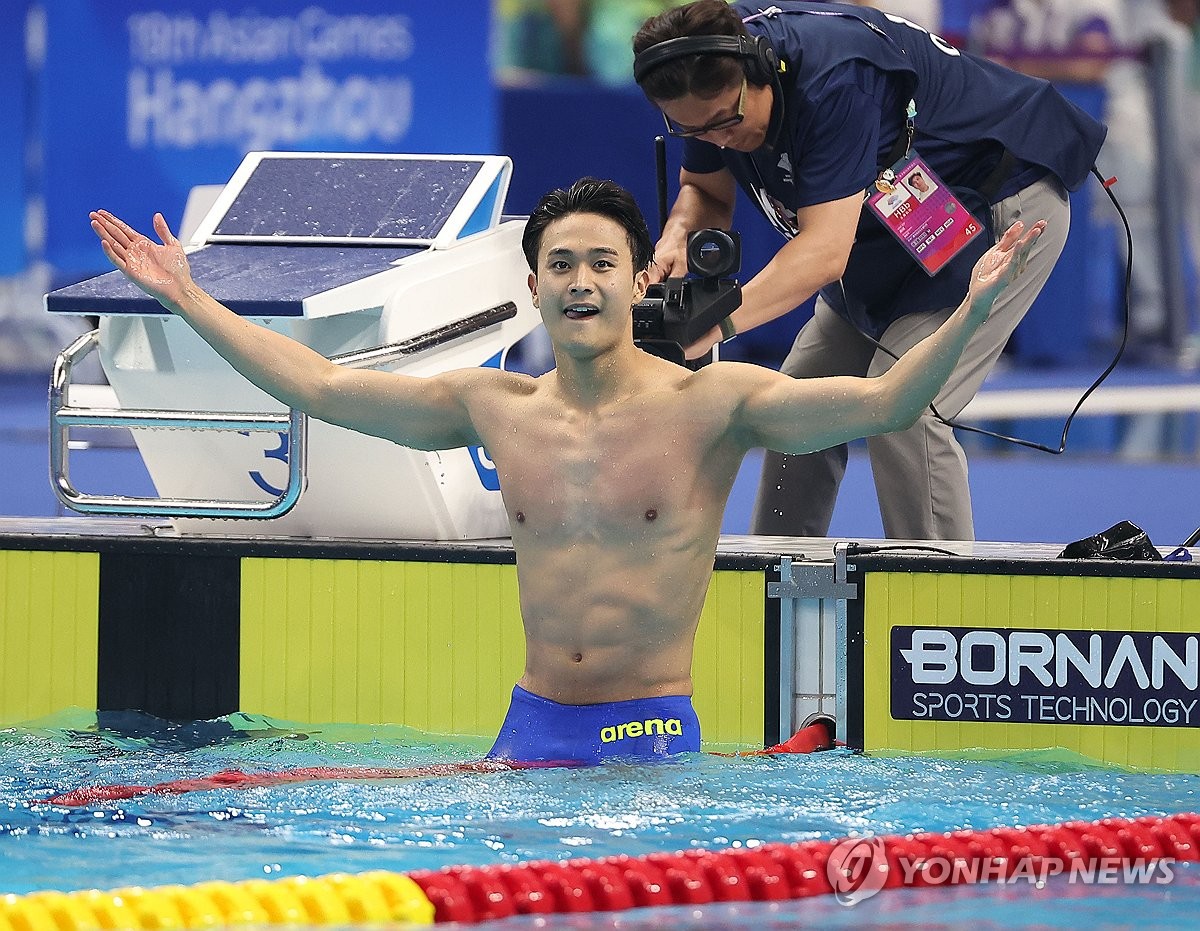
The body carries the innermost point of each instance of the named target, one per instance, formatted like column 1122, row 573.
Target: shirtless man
column 615, row 466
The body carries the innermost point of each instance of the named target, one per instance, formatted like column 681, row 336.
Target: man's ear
column 533, row 288
column 641, row 281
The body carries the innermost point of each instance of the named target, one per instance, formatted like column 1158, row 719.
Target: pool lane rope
column 765, row 873
column 815, row 736
column 236, row 779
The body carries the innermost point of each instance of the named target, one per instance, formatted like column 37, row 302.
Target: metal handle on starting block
column 63, row 416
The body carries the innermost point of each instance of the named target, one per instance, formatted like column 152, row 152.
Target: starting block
column 402, row 263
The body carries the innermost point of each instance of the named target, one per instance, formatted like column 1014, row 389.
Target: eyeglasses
column 688, row 132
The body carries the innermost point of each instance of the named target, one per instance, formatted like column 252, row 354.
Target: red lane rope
column 814, row 737
column 774, row 872
column 236, row 779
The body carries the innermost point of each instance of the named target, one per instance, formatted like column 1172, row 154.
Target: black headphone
column 760, row 61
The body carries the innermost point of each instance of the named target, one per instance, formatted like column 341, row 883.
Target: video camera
column 678, row 311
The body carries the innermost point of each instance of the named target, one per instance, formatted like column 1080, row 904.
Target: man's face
column 691, row 113
column 585, row 283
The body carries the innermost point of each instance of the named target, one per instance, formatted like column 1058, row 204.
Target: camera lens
column 713, row 253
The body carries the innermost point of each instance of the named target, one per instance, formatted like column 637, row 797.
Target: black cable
column 859, row 549
column 1030, row 444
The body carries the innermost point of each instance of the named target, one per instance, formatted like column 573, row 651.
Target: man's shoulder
column 730, row 380
column 495, row 377
column 486, row 382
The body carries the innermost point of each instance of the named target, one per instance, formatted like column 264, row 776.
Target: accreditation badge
column 922, row 213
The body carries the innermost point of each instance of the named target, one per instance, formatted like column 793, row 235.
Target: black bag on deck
column 1124, row 540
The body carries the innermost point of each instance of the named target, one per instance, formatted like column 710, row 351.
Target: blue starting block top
column 254, row 281
column 401, row 200
column 291, row 225
column 335, row 200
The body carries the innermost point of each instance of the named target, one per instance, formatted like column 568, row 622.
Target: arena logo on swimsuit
column 648, row 728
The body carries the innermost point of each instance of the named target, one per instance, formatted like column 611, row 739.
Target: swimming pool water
column 478, row 818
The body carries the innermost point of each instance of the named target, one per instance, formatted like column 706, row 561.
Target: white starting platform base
column 396, row 262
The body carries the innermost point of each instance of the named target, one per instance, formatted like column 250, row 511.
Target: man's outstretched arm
column 426, row 413
column 804, row 415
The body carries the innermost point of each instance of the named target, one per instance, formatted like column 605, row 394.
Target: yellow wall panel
column 438, row 646
column 728, row 670
column 48, row 632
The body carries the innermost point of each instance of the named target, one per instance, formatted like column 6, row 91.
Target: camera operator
column 807, row 106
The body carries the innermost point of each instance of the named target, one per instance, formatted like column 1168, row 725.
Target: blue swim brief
column 537, row 728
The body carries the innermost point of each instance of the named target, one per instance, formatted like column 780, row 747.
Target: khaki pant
column 920, row 473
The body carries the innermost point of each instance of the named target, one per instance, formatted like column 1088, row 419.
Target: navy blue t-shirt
column 850, row 73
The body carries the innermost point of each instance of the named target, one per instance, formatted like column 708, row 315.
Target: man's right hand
column 161, row 271
column 1002, row 263
column 670, row 260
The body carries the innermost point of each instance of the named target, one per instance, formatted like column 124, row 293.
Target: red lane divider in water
column 853, row 868
column 813, row 737
column 817, row 736
column 236, row 779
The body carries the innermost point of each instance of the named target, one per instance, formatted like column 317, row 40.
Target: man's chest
column 616, row 475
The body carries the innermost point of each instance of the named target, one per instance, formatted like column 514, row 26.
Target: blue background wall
column 143, row 99
column 13, row 114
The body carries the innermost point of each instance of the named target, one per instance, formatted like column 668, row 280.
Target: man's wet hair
column 590, row 195
column 705, row 75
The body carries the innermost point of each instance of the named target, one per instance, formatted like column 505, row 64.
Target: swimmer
column 615, row 466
